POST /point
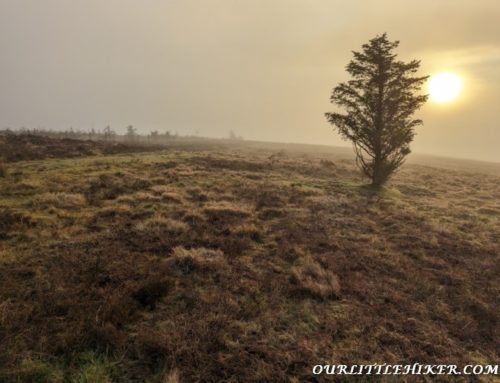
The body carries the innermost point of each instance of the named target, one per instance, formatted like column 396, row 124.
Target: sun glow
column 444, row 87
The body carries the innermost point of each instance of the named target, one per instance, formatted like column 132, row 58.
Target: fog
column 264, row 69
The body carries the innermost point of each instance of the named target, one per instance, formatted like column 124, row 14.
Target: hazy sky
column 263, row 68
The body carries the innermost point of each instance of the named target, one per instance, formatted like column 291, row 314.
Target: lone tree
column 379, row 102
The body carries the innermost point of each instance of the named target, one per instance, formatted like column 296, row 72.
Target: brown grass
column 59, row 200
column 311, row 278
column 161, row 225
column 210, row 265
column 3, row 169
column 172, row 377
column 187, row 260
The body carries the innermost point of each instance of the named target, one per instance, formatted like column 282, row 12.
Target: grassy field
column 241, row 264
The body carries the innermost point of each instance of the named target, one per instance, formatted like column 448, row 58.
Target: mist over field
column 262, row 69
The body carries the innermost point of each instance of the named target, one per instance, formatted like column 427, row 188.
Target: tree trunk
column 377, row 177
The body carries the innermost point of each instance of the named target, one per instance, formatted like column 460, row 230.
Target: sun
column 445, row 87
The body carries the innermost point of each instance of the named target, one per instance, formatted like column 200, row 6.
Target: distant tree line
column 131, row 135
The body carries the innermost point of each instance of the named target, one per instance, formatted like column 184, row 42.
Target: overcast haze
column 264, row 69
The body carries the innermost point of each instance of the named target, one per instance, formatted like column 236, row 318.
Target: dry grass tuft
column 144, row 196
column 103, row 188
column 269, row 198
column 137, row 198
column 198, row 195
column 27, row 186
column 247, row 230
column 60, row 200
column 172, row 377
column 187, row 260
column 10, row 219
column 226, row 211
column 172, row 196
column 327, row 164
column 168, row 194
column 311, row 278
column 161, row 225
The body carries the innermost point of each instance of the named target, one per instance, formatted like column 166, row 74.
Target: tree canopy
column 379, row 101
